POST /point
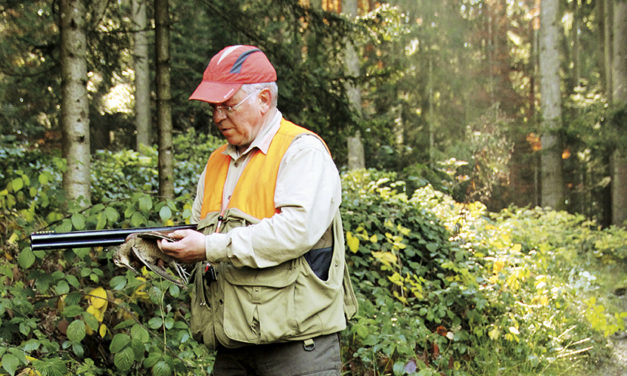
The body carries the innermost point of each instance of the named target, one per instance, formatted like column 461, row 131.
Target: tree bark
column 164, row 97
column 607, row 45
column 552, row 184
column 142, row 74
column 356, row 155
column 576, row 43
column 619, row 99
column 75, row 103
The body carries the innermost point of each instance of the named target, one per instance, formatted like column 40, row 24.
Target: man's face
column 242, row 123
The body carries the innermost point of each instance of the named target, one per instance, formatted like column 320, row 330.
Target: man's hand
column 189, row 246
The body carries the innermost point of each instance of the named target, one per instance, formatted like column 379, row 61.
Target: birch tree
column 552, row 184
column 74, row 102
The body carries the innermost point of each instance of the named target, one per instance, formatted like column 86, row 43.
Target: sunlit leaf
column 98, row 297
column 352, row 242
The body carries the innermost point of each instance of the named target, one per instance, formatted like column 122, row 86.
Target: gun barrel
column 97, row 238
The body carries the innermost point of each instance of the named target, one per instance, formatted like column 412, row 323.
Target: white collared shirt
column 308, row 192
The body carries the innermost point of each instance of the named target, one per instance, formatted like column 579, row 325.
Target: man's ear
column 265, row 100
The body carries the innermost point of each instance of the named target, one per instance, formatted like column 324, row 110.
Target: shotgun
column 46, row 240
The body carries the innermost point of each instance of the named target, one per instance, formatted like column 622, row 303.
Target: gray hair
column 272, row 86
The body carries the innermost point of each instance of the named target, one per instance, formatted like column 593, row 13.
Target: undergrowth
column 444, row 288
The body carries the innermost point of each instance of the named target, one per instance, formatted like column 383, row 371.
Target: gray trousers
column 282, row 359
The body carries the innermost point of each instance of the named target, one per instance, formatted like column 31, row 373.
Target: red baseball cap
column 229, row 69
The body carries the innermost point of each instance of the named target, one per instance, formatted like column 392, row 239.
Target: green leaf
column 62, row 287
column 72, row 280
column 81, row 252
column 102, row 221
column 161, row 369
column 65, row 226
column 51, row 367
column 26, row 258
column 155, row 294
column 10, row 363
column 112, row 214
column 119, row 342
column 145, row 204
column 140, row 333
column 124, row 359
column 78, row 350
column 432, row 247
column 31, row 345
column 152, row 359
column 165, row 213
column 43, row 178
column 76, row 331
column 137, row 219
column 78, row 221
column 155, row 323
column 174, row 290
column 118, row 282
column 139, row 348
column 91, row 321
column 17, row 184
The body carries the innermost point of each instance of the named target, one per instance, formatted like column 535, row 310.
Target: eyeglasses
column 231, row 109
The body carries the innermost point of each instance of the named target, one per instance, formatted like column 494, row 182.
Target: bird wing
column 147, row 251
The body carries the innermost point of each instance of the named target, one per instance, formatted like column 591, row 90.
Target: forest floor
column 617, row 366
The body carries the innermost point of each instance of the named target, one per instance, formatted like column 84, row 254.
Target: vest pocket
column 201, row 325
column 259, row 303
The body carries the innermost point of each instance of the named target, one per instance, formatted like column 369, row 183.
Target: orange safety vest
column 254, row 191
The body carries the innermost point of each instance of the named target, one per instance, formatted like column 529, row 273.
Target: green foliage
column 448, row 287
column 118, row 173
column 61, row 312
column 444, row 287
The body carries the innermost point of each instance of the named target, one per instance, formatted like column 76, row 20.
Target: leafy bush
column 445, row 288
column 448, row 287
column 73, row 311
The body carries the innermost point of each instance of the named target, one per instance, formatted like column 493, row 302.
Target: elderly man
column 270, row 288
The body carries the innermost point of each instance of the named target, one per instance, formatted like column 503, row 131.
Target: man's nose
column 218, row 115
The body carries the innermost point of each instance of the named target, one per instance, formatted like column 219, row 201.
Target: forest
column 482, row 147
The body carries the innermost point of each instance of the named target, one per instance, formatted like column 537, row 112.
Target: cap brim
column 214, row 92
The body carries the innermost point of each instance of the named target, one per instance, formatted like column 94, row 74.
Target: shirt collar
column 263, row 139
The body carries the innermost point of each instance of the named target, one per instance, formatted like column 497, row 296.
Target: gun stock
column 40, row 241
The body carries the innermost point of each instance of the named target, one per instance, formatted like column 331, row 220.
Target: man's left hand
column 189, row 246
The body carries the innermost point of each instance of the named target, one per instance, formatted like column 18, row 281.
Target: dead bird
column 143, row 247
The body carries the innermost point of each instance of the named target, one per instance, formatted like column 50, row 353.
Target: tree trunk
column 576, row 43
column 607, row 45
column 74, row 103
column 619, row 98
column 356, row 156
column 164, row 105
column 552, row 184
column 142, row 74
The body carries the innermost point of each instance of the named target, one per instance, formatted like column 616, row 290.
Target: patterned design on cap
column 227, row 51
column 237, row 66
